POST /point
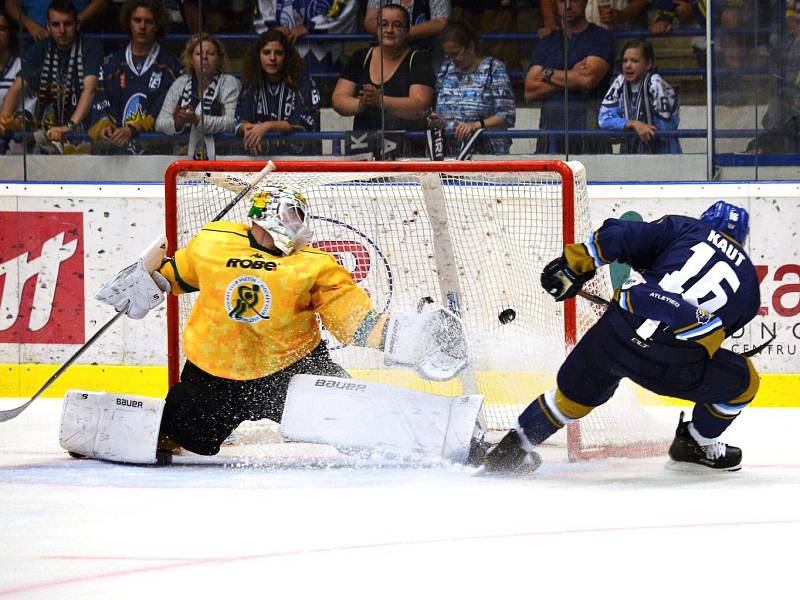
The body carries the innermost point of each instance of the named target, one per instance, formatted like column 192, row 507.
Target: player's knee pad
column 193, row 419
column 115, row 427
column 733, row 383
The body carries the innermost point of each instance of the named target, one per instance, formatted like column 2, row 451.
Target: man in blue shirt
column 590, row 54
column 662, row 331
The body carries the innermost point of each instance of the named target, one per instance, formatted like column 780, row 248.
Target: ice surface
column 292, row 521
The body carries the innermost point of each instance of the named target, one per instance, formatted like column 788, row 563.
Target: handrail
column 488, row 37
column 339, row 137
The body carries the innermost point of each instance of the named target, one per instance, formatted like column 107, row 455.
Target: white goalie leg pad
column 352, row 414
column 115, row 427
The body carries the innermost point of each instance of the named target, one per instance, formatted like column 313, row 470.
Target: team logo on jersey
column 702, row 316
column 155, row 80
column 629, row 283
column 134, row 111
column 248, row 300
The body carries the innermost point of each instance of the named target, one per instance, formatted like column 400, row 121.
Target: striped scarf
column 59, row 85
column 200, row 148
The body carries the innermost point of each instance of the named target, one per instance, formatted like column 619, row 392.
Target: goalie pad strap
column 348, row 413
column 115, row 427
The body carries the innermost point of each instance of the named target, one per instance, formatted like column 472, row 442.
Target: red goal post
column 413, row 229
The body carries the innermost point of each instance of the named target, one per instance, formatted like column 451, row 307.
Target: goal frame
column 574, row 434
column 180, row 166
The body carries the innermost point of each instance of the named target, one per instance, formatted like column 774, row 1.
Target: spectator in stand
column 321, row 17
column 405, row 94
column 492, row 16
column 473, row 93
column 10, row 65
column 134, row 80
column 33, row 14
column 427, row 17
column 271, row 14
column 278, row 97
column 203, row 99
column 617, row 15
column 589, row 59
column 62, row 71
column 782, row 118
column 641, row 100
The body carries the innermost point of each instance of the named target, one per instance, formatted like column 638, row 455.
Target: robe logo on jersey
column 248, row 300
column 41, row 278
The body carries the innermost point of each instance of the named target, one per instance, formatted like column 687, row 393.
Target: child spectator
column 641, row 100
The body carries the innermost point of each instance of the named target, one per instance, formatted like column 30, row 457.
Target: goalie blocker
column 345, row 413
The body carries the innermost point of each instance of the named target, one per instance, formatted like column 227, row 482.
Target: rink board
column 62, row 241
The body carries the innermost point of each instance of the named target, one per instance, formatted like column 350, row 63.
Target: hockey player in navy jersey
column 662, row 331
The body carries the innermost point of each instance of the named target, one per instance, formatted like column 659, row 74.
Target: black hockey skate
column 510, row 456
column 686, row 451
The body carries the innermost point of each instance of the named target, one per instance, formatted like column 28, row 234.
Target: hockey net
column 408, row 231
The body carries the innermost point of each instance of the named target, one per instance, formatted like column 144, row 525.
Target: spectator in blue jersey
column 473, row 93
column 662, row 330
column 278, row 97
column 134, row 81
column 203, row 100
column 320, row 17
column 10, row 65
column 61, row 72
column 640, row 99
column 272, row 14
column 34, row 18
column 590, row 54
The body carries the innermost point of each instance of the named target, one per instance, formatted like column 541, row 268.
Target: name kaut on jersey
column 728, row 248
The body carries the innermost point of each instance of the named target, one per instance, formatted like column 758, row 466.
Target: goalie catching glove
column 433, row 342
column 561, row 281
column 135, row 290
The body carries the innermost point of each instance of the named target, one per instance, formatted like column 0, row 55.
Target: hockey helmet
column 284, row 214
column 727, row 218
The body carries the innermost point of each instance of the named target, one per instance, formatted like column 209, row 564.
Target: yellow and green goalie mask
column 285, row 215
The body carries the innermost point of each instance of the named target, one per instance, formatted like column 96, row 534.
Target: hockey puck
column 507, row 316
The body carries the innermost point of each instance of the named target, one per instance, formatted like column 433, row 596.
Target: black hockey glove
column 561, row 282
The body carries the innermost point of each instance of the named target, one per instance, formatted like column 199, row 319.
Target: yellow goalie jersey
column 254, row 313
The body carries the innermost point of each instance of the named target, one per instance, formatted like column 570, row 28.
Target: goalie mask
column 284, row 214
column 727, row 218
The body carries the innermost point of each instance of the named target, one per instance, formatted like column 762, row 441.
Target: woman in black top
column 408, row 88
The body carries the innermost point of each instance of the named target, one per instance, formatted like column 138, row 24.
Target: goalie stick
column 158, row 246
column 603, row 302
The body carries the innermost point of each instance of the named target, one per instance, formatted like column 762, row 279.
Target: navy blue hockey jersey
column 132, row 93
column 696, row 280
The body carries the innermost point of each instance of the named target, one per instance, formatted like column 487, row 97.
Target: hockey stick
column 268, row 168
column 747, row 353
column 7, row 415
column 157, row 248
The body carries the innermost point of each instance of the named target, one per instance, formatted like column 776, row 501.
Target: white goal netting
column 411, row 231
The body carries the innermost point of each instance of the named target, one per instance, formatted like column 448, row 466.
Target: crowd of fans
column 425, row 72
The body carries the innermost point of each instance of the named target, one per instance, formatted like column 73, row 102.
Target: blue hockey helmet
column 728, row 219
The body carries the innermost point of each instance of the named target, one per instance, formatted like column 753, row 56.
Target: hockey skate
column 685, row 451
column 510, row 456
